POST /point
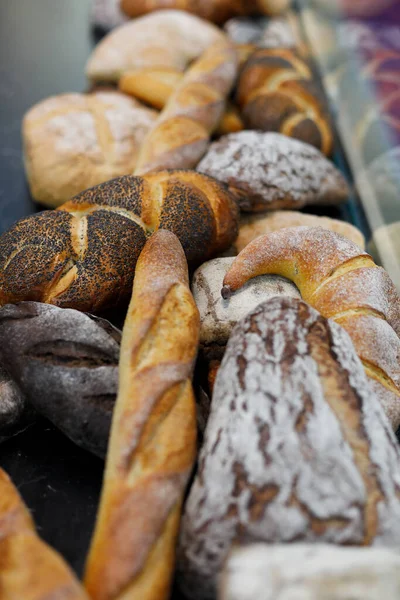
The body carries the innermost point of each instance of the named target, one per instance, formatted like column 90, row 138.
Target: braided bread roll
column 153, row 438
column 182, row 132
column 343, row 283
column 83, row 255
column 276, row 92
column 30, row 569
column 217, row 11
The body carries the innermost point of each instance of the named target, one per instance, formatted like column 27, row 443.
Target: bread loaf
column 217, row 11
column 30, row 569
column 269, row 171
column 217, row 316
column 14, row 413
column 296, row 449
column 276, row 92
column 166, row 38
column 254, row 225
column 83, row 256
column 309, row 571
column 75, row 141
column 66, row 364
column 182, row 132
column 344, row 284
column 153, row 439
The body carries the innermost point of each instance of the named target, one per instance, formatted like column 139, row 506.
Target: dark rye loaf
column 297, row 448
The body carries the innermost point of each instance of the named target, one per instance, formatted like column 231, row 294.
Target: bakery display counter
column 359, row 61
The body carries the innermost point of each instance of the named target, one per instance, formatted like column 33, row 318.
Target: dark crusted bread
column 277, row 92
column 297, row 447
column 66, row 364
column 83, row 255
column 269, row 171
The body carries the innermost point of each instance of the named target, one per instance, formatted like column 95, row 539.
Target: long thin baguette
column 29, row 568
column 153, row 438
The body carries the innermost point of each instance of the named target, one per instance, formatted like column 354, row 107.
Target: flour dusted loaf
column 218, row 316
column 83, row 255
column 297, row 447
column 253, row 226
column 310, row 571
column 342, row 282
column 268, row 171
column 166, row 38
column 66, row 364
column 217, row 11
column 30, row 569
column 75, row 141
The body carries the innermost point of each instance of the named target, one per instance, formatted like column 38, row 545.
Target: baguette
column 153, row 438
column 344, row 284
column 29, row 568
column 182, row 132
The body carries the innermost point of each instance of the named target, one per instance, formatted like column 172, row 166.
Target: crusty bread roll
column 218, row 317
column 253, row 226
column 269, row 171
column 30, row 569
column 296, row 448
column 166, row 38
column 276, row 92
column 75, row 141
column 153, row 85
column 342, row 282
column 83, row 255
column 217, row 11
column 182, row 132
column 153, row 438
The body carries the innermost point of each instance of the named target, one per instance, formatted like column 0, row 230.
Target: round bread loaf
column 268, row 171
column 75, row 141
column 166, row 38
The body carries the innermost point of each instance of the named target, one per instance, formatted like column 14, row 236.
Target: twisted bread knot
column 344, row 284
column 83, row 255
column 276, row 93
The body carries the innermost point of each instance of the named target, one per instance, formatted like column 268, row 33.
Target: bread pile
column 247, row 410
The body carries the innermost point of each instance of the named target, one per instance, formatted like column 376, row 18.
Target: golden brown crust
column 151, row 85
column 29, row 568
column 83, row 255
column 342, row 283
column 276, row 93
column 217, row 11
column 255, row 225
column 182, row 132
column 75, row 141
column 153, row 440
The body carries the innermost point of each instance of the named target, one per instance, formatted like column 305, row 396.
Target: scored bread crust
column 182, row 131
column 343, row 283
column 75, row 141
column 83, row 255
column 153, row 439
column 254, row 225
column 29, row 568
column 276, row 92
column 296, row 448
